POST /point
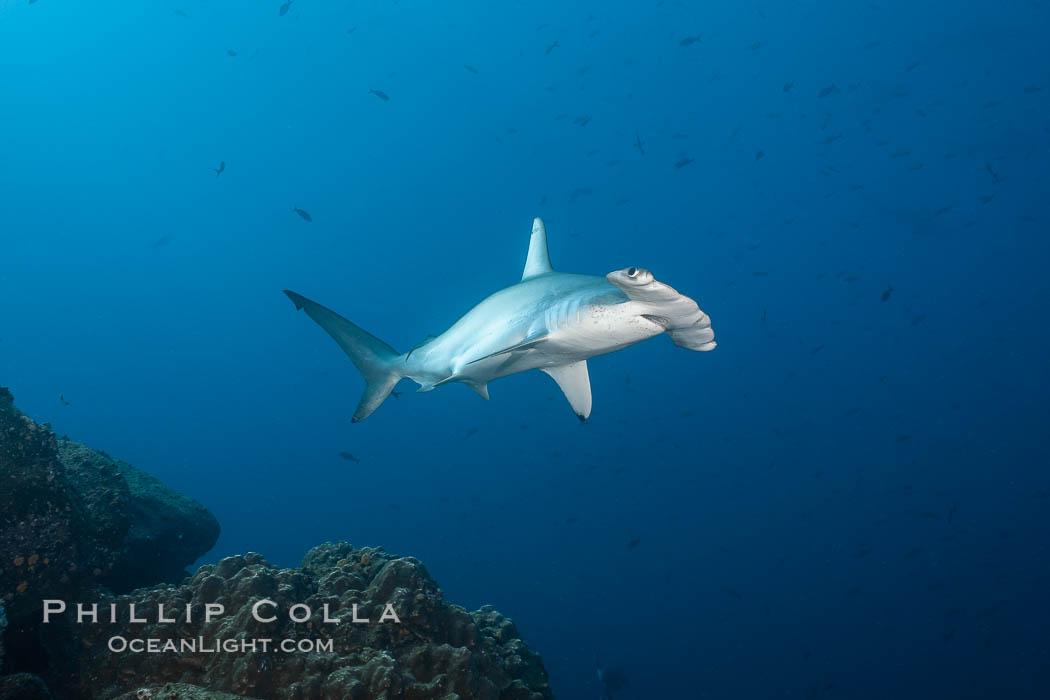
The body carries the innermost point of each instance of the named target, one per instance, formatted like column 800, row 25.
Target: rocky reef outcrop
column 71, row 516
column 80, row 526
column 162, row 531
column 72, row 519
column 433, row 650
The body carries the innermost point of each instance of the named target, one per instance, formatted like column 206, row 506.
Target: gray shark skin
column 551, row 321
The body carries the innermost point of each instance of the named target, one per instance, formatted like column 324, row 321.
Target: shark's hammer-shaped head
column 682, row 319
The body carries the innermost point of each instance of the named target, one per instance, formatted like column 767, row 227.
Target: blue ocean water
column 847, row 498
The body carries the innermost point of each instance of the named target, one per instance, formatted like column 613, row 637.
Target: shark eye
column 632, row 272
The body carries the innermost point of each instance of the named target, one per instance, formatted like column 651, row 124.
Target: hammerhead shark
column 551, row 321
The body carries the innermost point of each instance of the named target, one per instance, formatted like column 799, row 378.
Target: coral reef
column 437, row 650
column 82, row 527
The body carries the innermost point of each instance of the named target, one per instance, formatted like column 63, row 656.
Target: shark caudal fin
column 376, row 360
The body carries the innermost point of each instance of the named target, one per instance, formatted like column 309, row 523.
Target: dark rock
column 436, row 650
column 46, row 550
column 165, row 530
column 23, row 686
column 179, row 691
column 72, row 519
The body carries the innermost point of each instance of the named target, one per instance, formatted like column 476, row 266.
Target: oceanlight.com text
column 201, row 645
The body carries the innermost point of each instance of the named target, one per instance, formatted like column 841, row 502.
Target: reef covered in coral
column 81, row 527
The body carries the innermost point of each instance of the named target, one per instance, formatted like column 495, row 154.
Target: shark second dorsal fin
column 575, row 383
column 539, row 261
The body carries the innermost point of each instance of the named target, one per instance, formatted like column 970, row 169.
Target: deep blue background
column 791, row 490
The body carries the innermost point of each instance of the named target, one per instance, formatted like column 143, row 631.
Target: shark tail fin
column 377, row 361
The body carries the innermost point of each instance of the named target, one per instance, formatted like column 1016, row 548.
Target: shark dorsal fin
column 539, row 261
column 575, row 383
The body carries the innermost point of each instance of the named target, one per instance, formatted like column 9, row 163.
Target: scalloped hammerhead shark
column 551, row 321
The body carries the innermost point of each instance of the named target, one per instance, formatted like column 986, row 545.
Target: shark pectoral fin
column 527, row 343
column 575, row 383
column 539, row 261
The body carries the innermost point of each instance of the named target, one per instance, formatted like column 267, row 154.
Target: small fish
column 303, row 214
column 380, row 94
column 351, row 30
column 583, row 120
column 943, row 210
column 759, row 154
column 348, row 457
column 181, row 13
column 219, row 170
column 638, row 143
column 815, row 349
column 552, row 46
column 789, row 85
column 231, row 53
column 733, row 593
column 161, row 242
column 912, row 66
column 634, row 542
column 578, row 192
column 682, row 162
column 284, row 8
column 689, row 40
column 396, row 394
column 829, row 90
column 62, row 400
column 472, row 69
column 470, row 431
column 886, row 294
column 951, row 513
column 995, row 175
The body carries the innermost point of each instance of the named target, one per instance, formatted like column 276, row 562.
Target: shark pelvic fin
column 482, row 389
column 539, row 261
column 575, row 383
